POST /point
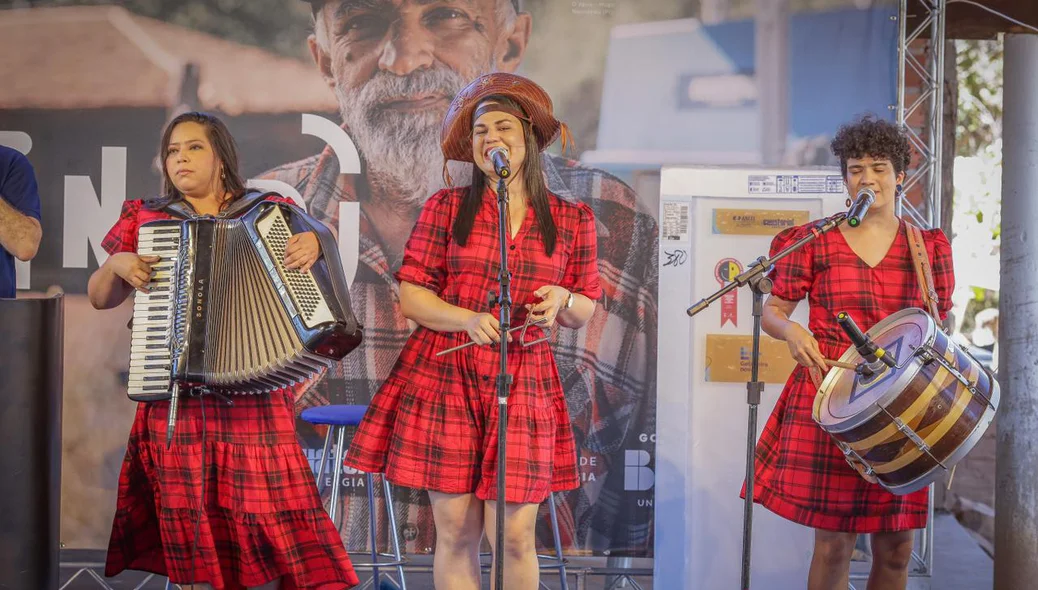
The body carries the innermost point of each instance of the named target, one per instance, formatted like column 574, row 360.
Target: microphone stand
column 760, row 284
column 504, row 380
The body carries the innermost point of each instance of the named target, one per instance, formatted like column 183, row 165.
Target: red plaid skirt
column 445, row 438
column 262, row 518
column 802, row 475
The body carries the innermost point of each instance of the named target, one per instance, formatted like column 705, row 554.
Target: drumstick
column 840, row 364
column 527, row 324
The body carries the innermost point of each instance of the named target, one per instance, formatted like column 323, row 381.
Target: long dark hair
column 224, row 147
column 533, row 179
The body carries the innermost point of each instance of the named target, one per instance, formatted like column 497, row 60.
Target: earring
column 898, row 190
column 848, row 202
column 223, row 175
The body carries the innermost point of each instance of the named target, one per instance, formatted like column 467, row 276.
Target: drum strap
column 923, row 271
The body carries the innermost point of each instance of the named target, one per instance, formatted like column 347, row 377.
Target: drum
column 907, row 425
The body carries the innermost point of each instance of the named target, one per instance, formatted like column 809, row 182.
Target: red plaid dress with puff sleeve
column 801, row 475
column 433, row 424
column 262, row 519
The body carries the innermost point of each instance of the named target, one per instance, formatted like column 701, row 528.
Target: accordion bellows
column 223, row 313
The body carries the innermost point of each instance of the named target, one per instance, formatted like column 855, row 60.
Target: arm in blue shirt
column 20, row 229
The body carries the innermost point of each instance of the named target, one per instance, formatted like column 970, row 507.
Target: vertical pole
column 935, row 126
column 772, row 73
column 902, row 55
column 1016, row 498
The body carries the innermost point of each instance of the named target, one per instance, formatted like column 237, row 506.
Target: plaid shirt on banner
column 607, row 368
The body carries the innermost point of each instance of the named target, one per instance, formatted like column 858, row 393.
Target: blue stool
column 339, row 417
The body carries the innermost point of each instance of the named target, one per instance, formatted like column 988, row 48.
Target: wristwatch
column 569, row 301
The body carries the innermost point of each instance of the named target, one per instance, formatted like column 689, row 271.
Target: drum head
column 846, row 399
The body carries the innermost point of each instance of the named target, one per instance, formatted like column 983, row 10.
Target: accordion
column 224, row 315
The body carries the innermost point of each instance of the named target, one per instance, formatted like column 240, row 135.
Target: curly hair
column 871, row 136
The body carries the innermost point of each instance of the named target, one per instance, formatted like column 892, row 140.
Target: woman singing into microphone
column 433, row 425
column 868, row 272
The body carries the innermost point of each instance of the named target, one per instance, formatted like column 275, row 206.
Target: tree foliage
column 980, row 96
column 979, row 128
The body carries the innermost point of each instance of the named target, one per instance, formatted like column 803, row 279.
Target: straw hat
column 456, row 134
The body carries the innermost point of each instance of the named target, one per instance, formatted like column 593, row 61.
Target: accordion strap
column 923, row 272
column 245, row 203
column 181, row 209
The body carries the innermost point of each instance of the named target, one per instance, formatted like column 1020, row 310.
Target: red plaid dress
column 801, row 475
column 262, row 519
column 607, row 367
column 433, row 424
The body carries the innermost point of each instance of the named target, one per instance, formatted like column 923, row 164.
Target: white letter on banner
column 86, row 221
column 336, row 137
column 349, row 222
column 349, row 249
column 17, row 140
column 638, row 477
column 21, row 274
column 349, row 163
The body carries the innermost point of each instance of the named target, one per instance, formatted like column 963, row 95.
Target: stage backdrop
column 642, row 83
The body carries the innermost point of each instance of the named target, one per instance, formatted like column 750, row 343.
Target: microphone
column 171, row 421
column 860, row 206
column 875, row 357
column 499, row 156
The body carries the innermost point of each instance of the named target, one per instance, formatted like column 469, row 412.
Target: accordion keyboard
column 152, row 313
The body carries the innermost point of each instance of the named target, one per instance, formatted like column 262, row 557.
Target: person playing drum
column 868, row 272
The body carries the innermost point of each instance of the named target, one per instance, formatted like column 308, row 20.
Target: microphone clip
column 875, row 359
